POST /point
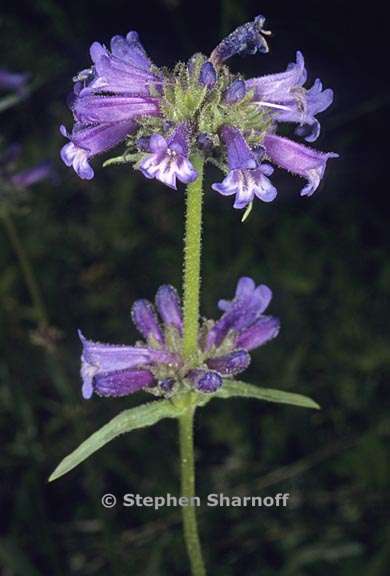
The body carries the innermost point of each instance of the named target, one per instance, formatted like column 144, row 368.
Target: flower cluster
column 157, row 365
column 200, row 107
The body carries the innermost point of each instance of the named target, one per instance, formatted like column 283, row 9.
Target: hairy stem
column 192, row 251
column 187, row 464
column 191, row 296
column 26, row 268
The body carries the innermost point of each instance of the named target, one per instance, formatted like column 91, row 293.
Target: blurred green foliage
column 97, row 246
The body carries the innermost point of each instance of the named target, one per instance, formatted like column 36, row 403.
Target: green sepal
column 139, row 417
column 234, row 388
column 247, row 212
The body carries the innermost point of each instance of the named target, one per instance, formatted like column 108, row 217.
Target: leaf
column 139, row 417
column 232, row 388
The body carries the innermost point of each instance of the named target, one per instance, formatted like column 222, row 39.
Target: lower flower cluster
column 157, row 364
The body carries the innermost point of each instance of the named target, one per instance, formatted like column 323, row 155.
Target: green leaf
column 232, row 388
column 139, row 417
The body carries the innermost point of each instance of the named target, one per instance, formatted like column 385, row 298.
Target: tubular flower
column 288, row 101
column 157, row 365
column 247, row 177
column 165, row 117
column 168, row 159
column 298, row 159
column 107, row 100
column 246, row 39
column 243, row 320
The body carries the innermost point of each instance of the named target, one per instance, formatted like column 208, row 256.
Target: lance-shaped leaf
column 232, row 388
column 139, row 417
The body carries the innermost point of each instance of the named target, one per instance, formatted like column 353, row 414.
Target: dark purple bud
column 246, row 39
column 235, row 92
column 122, row 382
column 259, row 152
column 145, row 319
column 208, row 75
column 169, row 307
column 258, row 333
column 167, row 384
column 231, row 364
column 143, row 144
column 167, row 125
column 204, row 142
column 205, row 380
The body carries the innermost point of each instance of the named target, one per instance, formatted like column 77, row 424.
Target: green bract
column 183, row 98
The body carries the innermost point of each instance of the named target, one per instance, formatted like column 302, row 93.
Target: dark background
column 96, row 246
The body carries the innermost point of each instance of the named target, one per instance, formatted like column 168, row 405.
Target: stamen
column 272, row 105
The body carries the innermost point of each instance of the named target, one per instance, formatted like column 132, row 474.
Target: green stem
column 26, row 268
column 191, row 294
column 192, row 251
column 186, row 433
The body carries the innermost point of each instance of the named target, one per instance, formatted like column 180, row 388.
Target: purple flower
column 258, row 333
column 158, row 364
column 279, row 88
column 13, row 81
column 102, row 108
column 116, row 370
column 242, row 316
column 126, row 69
column 87, row 140
column 168, row 116
column 246, row 39
column 288, row 101
column 112, row 370
column 298, row 159
column 247, row 178
column 108, row 99
column 168, row 159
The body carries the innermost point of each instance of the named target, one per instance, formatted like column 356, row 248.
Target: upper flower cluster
column 157, row 365
column 200, row 107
